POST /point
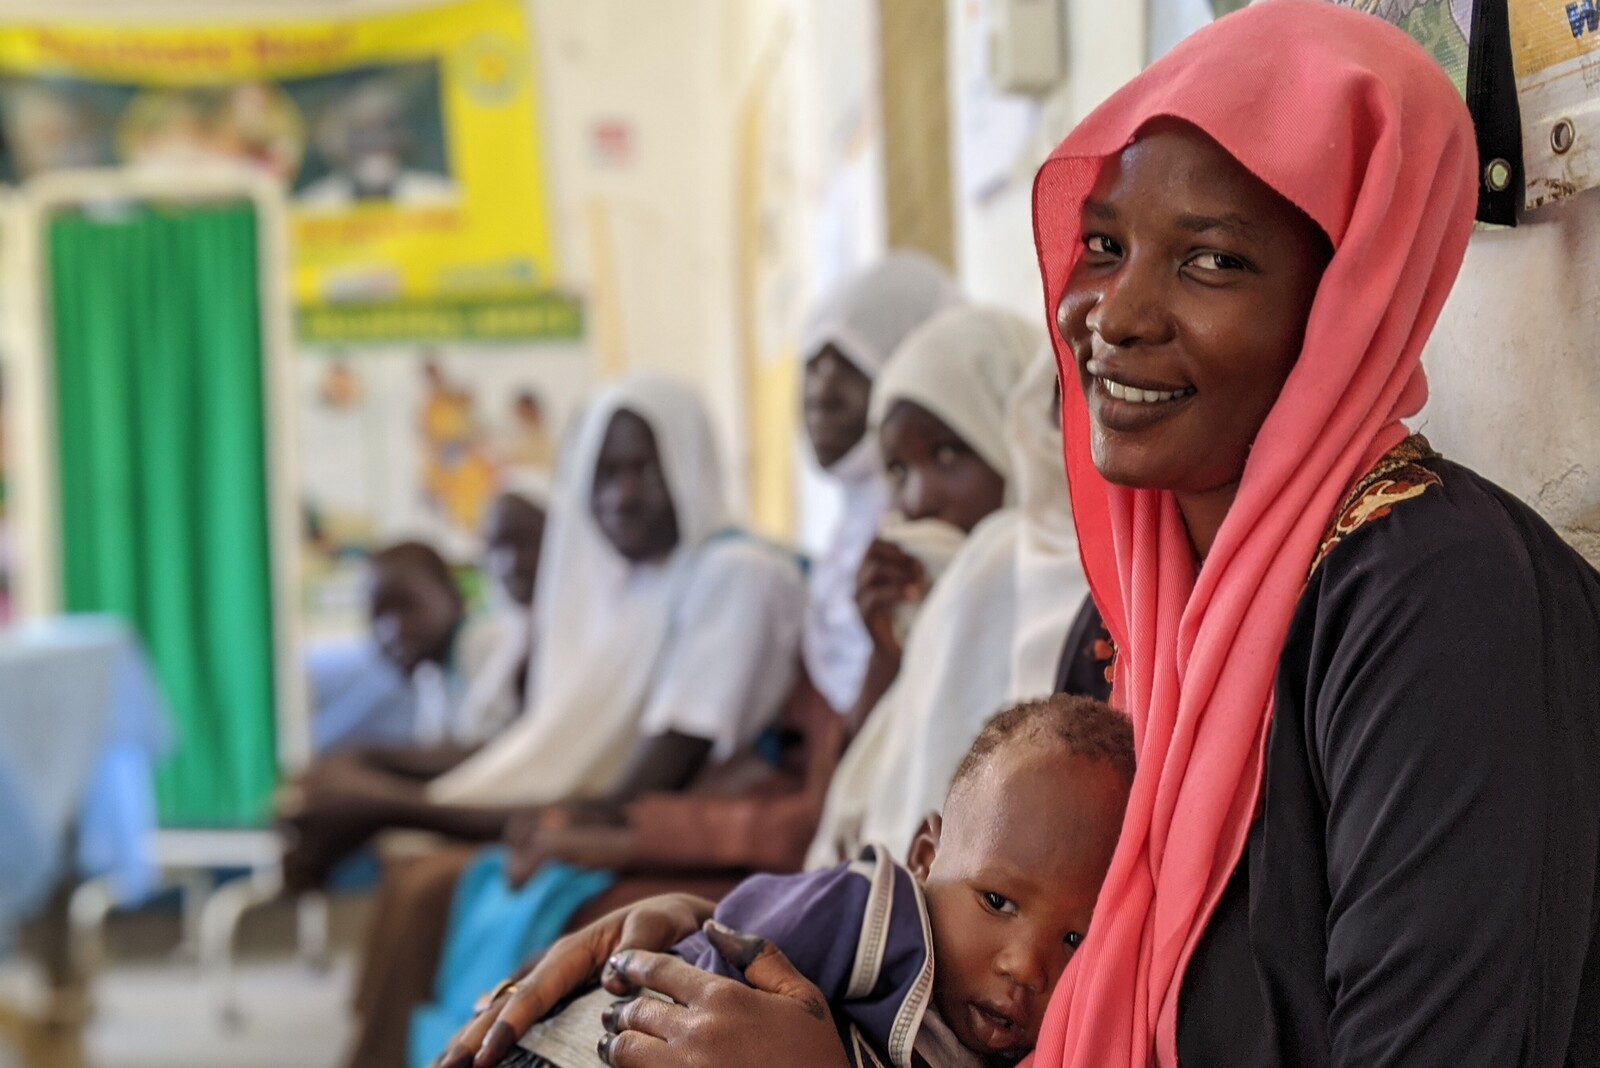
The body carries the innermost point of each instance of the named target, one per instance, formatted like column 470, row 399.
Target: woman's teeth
column 1142, row 396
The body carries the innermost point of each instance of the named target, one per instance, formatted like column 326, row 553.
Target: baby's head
column 1012, row 868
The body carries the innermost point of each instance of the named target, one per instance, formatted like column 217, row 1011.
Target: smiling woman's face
column 1186, row 311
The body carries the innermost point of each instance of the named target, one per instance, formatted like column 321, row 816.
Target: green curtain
column 163, row 480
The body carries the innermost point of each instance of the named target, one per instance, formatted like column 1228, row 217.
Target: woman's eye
column 1073, row 939
column 945, row 455
column 1217, row 261
column 896, row 472
column 998, row 903
column 1101, row 245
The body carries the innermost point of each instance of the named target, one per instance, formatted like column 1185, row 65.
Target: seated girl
column 430, row 673
column 960, row 419
column 849, row 337
column 663, row 638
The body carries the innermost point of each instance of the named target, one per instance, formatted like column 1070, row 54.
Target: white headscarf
column 864, row 319
column 602, row 622
column 963, row 367
column 866, row 316
column 1051, row 585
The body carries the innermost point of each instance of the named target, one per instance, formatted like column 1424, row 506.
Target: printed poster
column 1443, row 27
column 409, row 143
column 1555, row 47
column 415, row 442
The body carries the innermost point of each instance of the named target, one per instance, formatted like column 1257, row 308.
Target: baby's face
column 1023, row 849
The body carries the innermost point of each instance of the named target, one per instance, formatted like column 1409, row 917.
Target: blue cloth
column 27, row 855
column 117, row 823
column 492, row 930
column 82, row 723
column 358, row 697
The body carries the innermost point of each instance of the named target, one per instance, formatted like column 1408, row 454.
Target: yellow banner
column 1549, row 33
column 409, row 143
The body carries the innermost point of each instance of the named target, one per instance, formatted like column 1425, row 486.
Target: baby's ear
column 925, row 846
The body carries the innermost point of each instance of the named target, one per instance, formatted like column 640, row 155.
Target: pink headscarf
column 1350, row 120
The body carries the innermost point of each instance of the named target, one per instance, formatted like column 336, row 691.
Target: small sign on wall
column 611, row 144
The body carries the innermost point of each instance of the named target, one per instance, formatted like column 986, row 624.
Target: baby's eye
column 1217, row 261
column 1073, row 940
column 999, row 903
column 1101, row 245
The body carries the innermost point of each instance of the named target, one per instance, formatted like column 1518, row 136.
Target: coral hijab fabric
column 1350, row 120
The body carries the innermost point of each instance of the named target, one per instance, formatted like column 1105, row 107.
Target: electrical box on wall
column 1025, row 45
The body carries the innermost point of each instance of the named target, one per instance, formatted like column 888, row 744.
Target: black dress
column 1420, row 885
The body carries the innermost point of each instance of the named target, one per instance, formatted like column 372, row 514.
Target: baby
column 999, row 890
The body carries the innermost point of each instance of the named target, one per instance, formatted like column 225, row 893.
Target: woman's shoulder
column 1425, row 518
column 1433, row 558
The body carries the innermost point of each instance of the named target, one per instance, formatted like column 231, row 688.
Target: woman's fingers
column 649, row 1015
column 780, row 1021
column 569, row 965
column 887, row 573
column 765, row 967
column 632, row 1049
column 887, row 552
column 672, row 976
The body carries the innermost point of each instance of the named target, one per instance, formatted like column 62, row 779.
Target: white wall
column 651, row 242
column 1515, row 366
column 1103, row 47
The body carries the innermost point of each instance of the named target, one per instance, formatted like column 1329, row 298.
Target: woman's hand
column 330, row 812
column 590, row 835
column 889, row 577
column 780, row 1021
column 572, row 963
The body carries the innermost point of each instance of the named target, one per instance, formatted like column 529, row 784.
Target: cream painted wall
column 651, row 242
column 1515, row 366
column 1103, row 46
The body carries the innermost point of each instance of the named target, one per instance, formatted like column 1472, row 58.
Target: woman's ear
column 925, row 846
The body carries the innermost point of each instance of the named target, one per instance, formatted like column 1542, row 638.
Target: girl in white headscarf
column 663, row 638
column 848, row 339
column 699, row 642
column 978, row 638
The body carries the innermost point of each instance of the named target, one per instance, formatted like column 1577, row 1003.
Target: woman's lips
column 1115, row 408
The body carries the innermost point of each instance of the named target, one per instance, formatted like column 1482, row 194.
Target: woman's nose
column 1130, row 309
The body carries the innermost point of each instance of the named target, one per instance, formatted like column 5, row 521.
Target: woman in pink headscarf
column 1365, row 828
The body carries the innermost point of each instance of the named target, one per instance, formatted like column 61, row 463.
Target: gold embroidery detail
column 1397, row 477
